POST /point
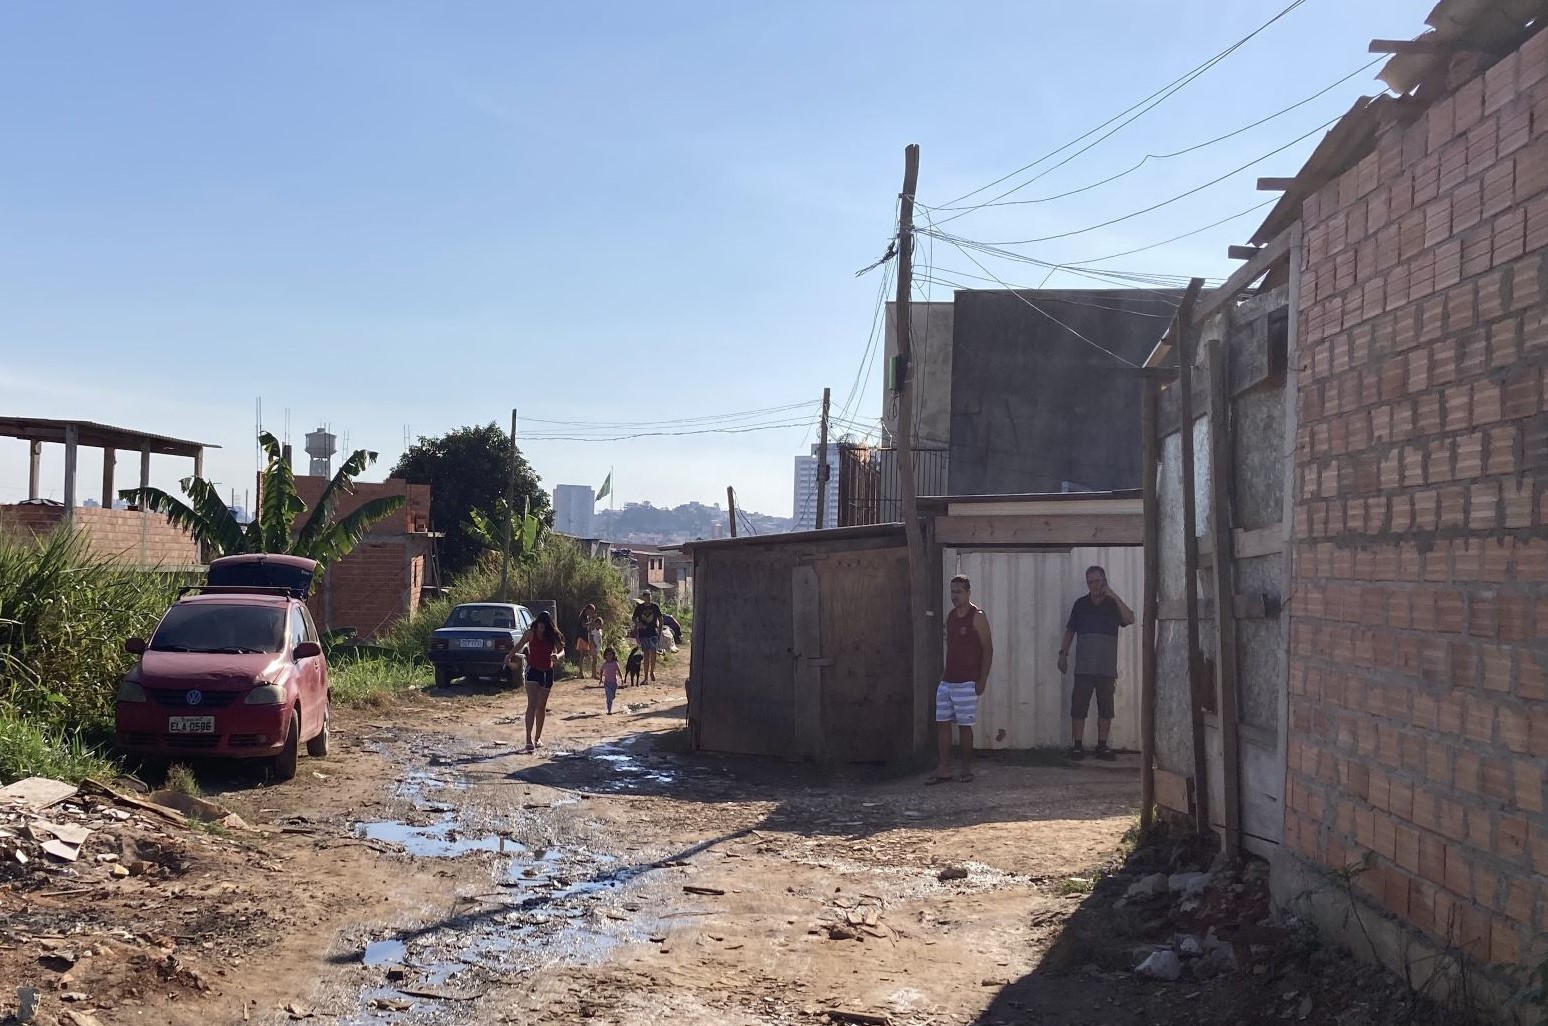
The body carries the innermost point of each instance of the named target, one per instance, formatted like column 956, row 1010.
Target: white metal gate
column 1027, row 597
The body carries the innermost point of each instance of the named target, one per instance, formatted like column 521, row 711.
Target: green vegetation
column 468, row 469
column 30, row 749
column 181, row 778
column 206, row 517
column 374, row 682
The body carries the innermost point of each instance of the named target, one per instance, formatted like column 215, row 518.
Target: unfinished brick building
column 1361, row 683
column 382, row 580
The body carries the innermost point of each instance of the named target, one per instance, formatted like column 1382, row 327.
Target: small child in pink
column 610, row 675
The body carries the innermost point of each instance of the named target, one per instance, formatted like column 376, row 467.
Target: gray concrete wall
column 1033, row 406
column 932, row 327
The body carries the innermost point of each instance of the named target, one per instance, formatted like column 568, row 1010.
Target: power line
column 706, row 419
column 948, row 283
column 666, row 434
column 1174, row 199
column 1159, row 96
column 1175, row 238
column 1006, row 254
column 877, row 331
column 1046, row 314
column 1160, row 156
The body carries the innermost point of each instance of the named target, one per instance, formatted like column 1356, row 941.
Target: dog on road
column 633, row 667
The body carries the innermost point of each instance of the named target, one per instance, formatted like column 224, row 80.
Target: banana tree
column 206, row 517
column 526, row 533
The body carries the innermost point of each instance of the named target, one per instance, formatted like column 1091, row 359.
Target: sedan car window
column 209, row 627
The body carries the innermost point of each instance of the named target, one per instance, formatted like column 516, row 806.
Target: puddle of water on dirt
column 436, row 840
column 385, row 952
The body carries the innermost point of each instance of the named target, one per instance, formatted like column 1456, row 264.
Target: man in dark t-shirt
column 1094, row 621
column 647, row 631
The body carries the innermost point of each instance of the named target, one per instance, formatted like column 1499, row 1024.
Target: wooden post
column 72, row 453
column 731, row 508
column 109, row 461
column 145, row 455
column 1185, row 336
column 34, row 469
column 1220, row 507
column 1149, row 410
column 921, row 604
column 822, row 463
column 510, row 515
column 199, row 460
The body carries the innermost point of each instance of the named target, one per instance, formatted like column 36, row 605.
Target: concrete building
column 574, row 507
column 804, row 505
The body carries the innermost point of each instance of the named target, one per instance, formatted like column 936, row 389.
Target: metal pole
column 510, row 518
column 822, row 464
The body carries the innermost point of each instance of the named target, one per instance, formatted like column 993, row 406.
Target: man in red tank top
column 969, row 652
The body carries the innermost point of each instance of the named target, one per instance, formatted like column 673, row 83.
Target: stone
column 1161, row 965
column 952, row 873
column 1146, row 887
column 1190, row 947
column 1190, row 884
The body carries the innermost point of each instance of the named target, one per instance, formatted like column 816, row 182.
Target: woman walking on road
column 543, row 643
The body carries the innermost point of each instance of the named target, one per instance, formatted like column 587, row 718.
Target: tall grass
column 374, row 681
column 28, row 748
column 64, row 615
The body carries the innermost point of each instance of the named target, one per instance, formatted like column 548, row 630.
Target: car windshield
column 211, row 627
column 482, row 616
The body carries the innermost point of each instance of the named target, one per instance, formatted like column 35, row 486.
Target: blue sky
column 386, row 215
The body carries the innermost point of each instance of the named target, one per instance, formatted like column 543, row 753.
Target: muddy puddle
column 544, row 903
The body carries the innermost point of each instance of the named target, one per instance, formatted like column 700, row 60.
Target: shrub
column 375, row 681
column 30, row 749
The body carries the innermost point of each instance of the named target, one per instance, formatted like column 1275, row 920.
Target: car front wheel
column 285, row 762
column 317, row 748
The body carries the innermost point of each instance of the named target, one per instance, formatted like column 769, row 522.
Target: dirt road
column 429, row 871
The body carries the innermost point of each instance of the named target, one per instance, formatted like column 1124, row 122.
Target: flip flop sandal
column 936, row 779
column 965, row 778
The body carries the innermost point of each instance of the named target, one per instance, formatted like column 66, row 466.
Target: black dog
column 633, row 667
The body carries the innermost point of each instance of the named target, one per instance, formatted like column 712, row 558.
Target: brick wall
column 111, row 533
column 413, row 517
column 1419, row 678
column 366, row 590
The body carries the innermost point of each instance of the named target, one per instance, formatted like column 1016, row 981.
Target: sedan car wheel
column 317, row 748
column 443, row 677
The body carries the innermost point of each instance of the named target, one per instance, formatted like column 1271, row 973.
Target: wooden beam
column 1149, row 469
column 1169, row 337
column 1426, row 46
column 145, row 455
column 1247, row 605
column 1110, row 529
column 1245, row 275
column 1222, row 479
column 1265, row 541
column 1187, row 331
column 1242, row 252
column 1275, row 184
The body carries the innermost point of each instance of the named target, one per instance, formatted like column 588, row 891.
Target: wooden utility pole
column 510, row 515
column 822, row 462
column 1186, row 332
column 731, row 508
column 1150, row 403
column 922, row 626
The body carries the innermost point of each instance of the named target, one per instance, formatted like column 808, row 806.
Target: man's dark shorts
column 1080, row 701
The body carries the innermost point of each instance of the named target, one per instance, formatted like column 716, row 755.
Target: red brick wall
column 366, row 589
column 413, row 517
column 111, row 533
column 1419, row 680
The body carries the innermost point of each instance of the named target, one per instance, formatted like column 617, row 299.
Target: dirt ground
column 428, row 871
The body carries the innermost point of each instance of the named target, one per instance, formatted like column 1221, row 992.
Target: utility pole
column 922, row 625
column 822, row 462
column 731, row 508
column 510, row 515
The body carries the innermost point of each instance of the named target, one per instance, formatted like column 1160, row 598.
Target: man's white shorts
column 957, row 703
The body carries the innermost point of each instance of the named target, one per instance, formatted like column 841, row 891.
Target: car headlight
column 130, row 691
column 266, row 694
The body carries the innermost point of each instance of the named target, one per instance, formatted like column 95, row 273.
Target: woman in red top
column 544, row 644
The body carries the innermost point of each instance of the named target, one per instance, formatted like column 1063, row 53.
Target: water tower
column 321, row 445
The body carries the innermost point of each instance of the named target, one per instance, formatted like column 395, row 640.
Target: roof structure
column 98, row 436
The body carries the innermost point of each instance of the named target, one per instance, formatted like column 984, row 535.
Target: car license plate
column 470, row 643
column 190, row 724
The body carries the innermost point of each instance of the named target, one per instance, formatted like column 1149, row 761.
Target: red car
column 235, row 669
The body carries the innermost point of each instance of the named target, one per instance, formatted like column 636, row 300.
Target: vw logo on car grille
column 194, row 697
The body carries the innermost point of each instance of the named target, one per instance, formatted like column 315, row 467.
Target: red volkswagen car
column 235, row 669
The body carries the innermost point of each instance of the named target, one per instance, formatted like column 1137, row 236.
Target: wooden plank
column 806, row 633
column 1245, row 275
column 1172, row 792
column 1187, row 330
column 1251, row 605
column 1222, row 479
column 1424, row 46
column 1150, row 462
column 1109, row 529
column 1275, row 184
column 1265, row 541
column 1241, row 252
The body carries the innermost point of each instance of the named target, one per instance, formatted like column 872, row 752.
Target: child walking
column 610, row 672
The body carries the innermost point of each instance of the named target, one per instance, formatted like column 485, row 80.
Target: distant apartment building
column 574, row 507
column 805, row 503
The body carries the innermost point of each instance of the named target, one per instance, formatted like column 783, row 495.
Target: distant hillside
column 658, row 525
